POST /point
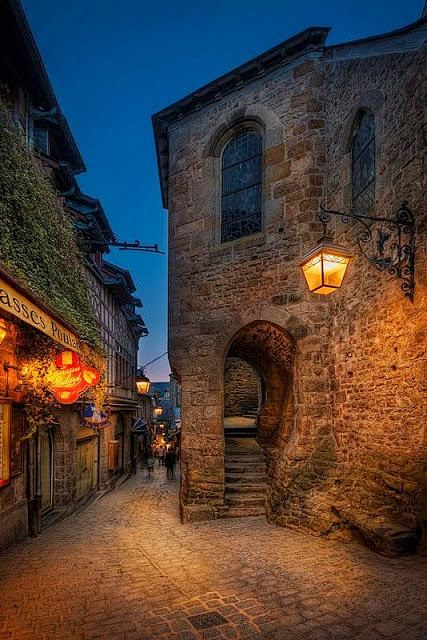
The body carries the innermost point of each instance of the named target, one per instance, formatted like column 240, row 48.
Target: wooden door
column 87, row 467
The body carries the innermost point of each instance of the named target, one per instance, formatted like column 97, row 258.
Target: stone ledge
column 383, row 534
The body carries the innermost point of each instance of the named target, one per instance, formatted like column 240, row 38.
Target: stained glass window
column 241, row 192
column 363, row 164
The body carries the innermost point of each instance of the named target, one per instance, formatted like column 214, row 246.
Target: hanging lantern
column 142, row 384
column 158, row 411
column 325, row 266
column 3, row 330
column 67, row 359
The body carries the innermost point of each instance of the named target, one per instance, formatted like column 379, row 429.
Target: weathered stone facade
column 241, row 388
column 341, row 422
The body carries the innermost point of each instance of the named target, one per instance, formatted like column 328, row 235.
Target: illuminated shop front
column 42, row 376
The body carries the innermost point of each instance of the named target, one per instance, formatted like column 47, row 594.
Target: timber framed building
column 45, row 474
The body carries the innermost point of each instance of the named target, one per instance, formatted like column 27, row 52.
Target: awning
column 140, row 426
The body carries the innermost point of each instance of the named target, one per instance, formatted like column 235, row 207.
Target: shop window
column 5, row 418
column 16, row 441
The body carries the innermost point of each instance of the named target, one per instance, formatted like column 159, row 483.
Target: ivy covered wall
column 38, row 243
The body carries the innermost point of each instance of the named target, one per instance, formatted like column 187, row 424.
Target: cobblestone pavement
column 126, row 569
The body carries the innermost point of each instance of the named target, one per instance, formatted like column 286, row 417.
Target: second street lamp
column 142, row 384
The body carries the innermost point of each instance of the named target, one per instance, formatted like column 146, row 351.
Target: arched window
column 363, row 163
column 241, row 188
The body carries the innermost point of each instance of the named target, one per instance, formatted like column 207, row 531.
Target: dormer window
column 41, row 139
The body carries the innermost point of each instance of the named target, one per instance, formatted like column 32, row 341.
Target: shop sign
column 21, row 307
column 71, row 377
column 5, row 413
column 94, row 417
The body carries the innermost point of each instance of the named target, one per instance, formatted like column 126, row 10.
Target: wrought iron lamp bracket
column 391, row 248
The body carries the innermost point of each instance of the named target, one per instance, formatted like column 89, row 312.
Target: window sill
column 246, row 241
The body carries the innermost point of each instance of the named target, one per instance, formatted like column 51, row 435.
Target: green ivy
column 38, row 243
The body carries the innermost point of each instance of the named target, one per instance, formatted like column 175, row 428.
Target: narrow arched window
column 241, row 186
column 363, row 163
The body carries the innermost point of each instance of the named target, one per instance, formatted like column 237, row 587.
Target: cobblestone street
column 126, row 569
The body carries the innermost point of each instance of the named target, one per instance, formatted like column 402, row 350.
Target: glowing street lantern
column 158, row 411
column 143, row 384
column 325, row 266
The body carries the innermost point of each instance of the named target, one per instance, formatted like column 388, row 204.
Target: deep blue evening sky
column 113, row 63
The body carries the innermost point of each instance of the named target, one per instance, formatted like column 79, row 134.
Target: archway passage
column 242, row 398
column 257, row 409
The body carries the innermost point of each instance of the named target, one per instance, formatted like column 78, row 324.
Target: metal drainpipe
column 98, row 466
column 32, row 528
column 38, row 491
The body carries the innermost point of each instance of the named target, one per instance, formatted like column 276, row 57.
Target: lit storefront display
column 5, row 413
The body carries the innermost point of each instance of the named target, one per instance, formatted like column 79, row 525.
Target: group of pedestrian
column 166, row 456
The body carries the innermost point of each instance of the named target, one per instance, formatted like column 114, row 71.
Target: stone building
column 245, row 163
column 64, row 293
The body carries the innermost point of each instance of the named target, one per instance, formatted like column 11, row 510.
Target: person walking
column 170, row 463
column 150, row 464
column 161, row 453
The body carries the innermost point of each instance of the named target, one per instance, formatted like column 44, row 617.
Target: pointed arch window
column 363, row 163
column 241, row 186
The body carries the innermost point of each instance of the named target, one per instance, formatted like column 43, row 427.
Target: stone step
column 244, row 467
column 239, row 512
column 246, row 487
column 249, row 476
column 243, row 432
column 231, row 456
column 245, row 500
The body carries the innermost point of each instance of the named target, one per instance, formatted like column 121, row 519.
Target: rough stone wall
column 378, row 335
column 345, row 443
column 241, row 388
column 215, row 289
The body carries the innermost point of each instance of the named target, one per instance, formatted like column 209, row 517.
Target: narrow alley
column 125, row 569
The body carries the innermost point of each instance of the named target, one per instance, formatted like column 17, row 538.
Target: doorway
column 46, row 470
column 257, row 408
column 87, row 466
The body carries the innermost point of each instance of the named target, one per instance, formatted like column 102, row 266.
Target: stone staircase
column 245, row 478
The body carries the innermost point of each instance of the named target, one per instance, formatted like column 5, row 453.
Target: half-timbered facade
column 46, row 472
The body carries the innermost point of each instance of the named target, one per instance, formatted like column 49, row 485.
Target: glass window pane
column 363, row 164
column 241, row 186
column 243, row 146
column 241, row 175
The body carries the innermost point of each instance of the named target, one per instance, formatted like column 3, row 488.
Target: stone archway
column 261, row 353
column 270, row 350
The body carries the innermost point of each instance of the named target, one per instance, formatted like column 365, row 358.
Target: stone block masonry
column 341, row 424
column 241, row 388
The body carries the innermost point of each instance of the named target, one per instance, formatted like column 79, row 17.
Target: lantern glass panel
column 334, row 268
column 143, row 386
column 313, row 272
column 325, row 267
